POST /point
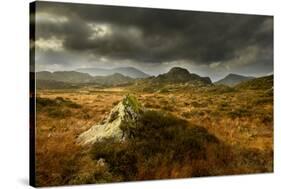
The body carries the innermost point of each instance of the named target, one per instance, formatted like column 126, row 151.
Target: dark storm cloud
column 154, row 35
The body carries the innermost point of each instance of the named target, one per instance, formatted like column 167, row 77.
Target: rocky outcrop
column 181, row 75
column 122, row 118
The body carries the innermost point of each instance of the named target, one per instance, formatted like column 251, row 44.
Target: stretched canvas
column 131, row 94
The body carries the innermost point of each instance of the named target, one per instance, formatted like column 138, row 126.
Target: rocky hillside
column 180, row 75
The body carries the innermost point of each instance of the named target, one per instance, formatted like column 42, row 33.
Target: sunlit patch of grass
column 160, row 140
column 167, row 146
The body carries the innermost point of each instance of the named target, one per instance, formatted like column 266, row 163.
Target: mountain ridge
column 68, row 78
column 64, row 76
column 126, row 71
column 233, row 79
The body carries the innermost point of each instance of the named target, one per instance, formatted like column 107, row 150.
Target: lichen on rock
column 119, row 125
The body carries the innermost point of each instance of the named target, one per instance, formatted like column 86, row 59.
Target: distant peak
column 117, row 74
column 232, row 74
column 178, row 70
column 128, row 67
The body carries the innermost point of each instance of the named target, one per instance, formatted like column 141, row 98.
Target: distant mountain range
column 126, row 71
column 70, row 79
column 65, row 76
column 176, row 75
column 180, row 75
column 233, row 79
column 74, row 79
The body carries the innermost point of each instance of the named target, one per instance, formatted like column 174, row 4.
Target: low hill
column 126, row 71
column 263, row 83
column 51, row 84
column 73, row 79
column 233, row 79
column 181, row 75
column 113, row 80
column 65, row 76
column 174, row 80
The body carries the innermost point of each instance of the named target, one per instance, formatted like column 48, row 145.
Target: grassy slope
column 258, row 83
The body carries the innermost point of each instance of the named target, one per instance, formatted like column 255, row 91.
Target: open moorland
column 188, row 129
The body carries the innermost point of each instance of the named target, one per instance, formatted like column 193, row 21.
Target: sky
column 72, row 36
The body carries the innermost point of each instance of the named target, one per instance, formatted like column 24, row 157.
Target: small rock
column 101, row 162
